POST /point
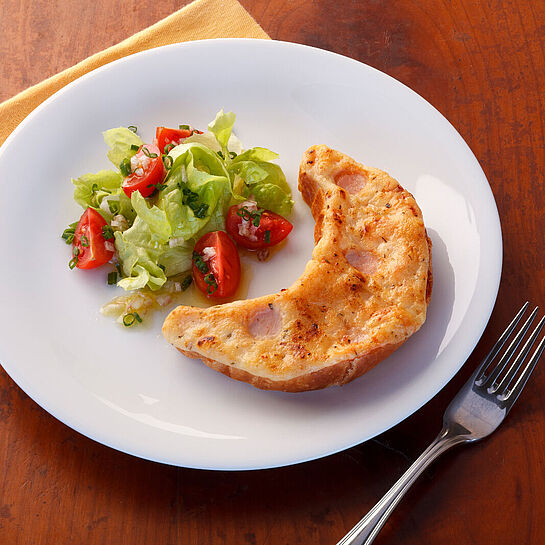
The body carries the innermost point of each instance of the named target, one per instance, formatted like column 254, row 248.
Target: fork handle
column 367, row 529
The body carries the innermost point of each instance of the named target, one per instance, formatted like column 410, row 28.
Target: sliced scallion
column 148, row 153
column 132, row 128
column 131, row 318
column 167, row 161
column 68, row 234
column 186, row 282
column 112, row 278
column 107, row 232
column 211, row 284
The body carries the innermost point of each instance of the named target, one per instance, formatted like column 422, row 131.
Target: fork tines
column 497, row 381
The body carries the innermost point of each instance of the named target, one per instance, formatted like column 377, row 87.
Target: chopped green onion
column 168, row 147
column 125, row 167
column 68, row 234
column 191, row 199
column 184, row 127
column 130, row 319
column 107, row 232
column 75, row 251
column 199, row 263
column 148, row 153
column 132, row 128
column 186, row 282
column 267, row 237
column 220, row 154
column 112, row 278
column 254, row 217
column 94, row 188
column 84, row 241
column 167, row 161
column 159, row 187
column 211, row 284
column 232, row 154
column 200, row 212
column 135, row 147
column 73, row 262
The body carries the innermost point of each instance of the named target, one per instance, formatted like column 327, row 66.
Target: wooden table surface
column 479, row 62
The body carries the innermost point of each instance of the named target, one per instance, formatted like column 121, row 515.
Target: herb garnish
column 167, row 161
column 254, row 217
column 107, row 232
column 191, row 199
column 74, row 261
column 130, row 319
column 211, row 284
column 148, row 153
column 200, row 263
column 186, row 282
column 125, row 167
column 68, row 234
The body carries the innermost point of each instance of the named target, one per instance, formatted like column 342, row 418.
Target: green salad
column 143, row 218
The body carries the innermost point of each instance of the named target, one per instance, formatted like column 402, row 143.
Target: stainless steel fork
column 476, row 411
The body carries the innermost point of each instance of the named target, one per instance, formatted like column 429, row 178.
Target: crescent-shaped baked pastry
column 363, row 294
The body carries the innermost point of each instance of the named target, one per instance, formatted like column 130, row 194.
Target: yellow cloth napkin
column 199, row 20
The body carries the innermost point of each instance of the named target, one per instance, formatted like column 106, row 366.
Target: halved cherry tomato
column 148, row 173
column 216, row 265
column 165, row 136
column 89, row 247
column 256, row 229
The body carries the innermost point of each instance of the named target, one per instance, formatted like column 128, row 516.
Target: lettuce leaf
column 176, row 260
column 90, row 189
column 155, row 218
column 120, row 140
column 138, row 254
column 198, row 191
column 264, row 180
column 222, row 127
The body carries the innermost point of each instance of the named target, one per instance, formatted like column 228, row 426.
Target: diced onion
column 208, row 253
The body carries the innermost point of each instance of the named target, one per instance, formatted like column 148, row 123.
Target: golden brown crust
column 364, row 292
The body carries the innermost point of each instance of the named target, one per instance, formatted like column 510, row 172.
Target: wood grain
column 481, row 64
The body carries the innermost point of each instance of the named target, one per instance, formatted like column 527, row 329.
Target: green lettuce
column 198, row 191
column 90, row 189
column 138, row 254
column 120, row 140
column 209, row 171
column 222, row 127
column 262, row 179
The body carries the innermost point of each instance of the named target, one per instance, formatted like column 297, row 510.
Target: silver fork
column 476, row 411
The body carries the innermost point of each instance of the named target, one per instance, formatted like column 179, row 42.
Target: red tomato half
column 271, row 229
column 89, row 246
column 165, row 136
column 148, row 173
column 222, row 267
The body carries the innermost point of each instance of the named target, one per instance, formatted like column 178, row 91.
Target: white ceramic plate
column 131, row 390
